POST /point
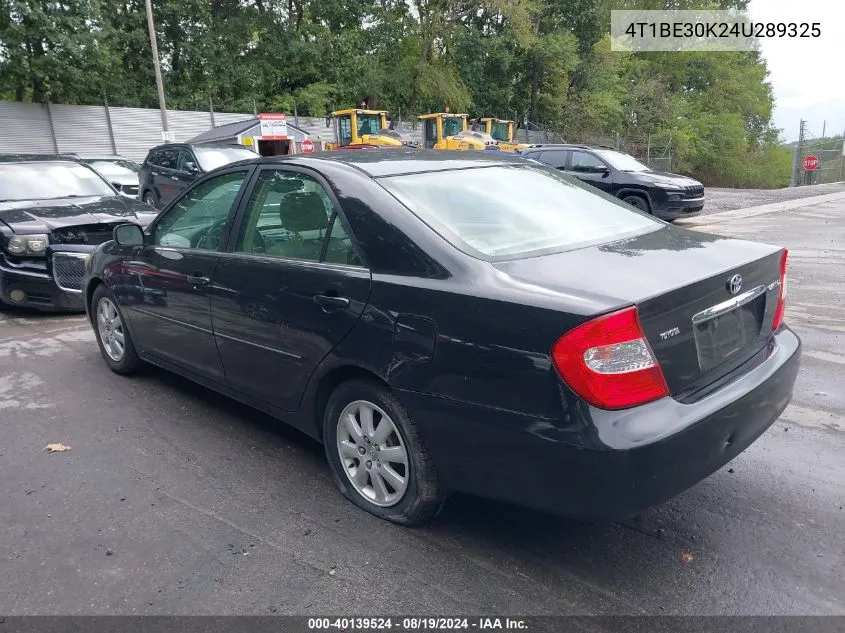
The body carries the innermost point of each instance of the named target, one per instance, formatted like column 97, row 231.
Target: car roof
column 195, row 145
column 395, row 162
column 550, row 146
column 34, row 158
column 102, row 157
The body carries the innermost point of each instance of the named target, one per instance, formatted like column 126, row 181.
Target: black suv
column 667, row 196
column 169, row 168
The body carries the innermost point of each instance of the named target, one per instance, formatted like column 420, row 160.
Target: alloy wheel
column 110, row 329
column 372, row 453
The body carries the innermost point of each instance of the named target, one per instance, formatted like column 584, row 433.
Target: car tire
column 112, row 335
column 150, row 199
column 638, row 202
column 406, row 494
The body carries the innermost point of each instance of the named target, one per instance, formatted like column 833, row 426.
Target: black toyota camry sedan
column 452, row 322
column 53, row 212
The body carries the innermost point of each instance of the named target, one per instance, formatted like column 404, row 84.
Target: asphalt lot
column 175, row 500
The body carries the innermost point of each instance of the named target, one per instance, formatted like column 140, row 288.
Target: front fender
column 633, row 190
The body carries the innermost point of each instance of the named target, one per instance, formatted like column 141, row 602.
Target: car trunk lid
column 706, row 303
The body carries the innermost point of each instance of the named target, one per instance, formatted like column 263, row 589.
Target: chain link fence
column 817, row 160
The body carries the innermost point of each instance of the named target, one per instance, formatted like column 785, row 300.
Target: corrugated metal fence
column 53, row 128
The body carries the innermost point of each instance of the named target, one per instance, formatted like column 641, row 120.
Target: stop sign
column 811, row 162
column 307, row 146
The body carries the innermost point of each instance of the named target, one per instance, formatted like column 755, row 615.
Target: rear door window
column 554, row 158
column 288, row 215
column 168, row 158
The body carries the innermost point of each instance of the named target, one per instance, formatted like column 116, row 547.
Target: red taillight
column 778, row 320
column 609, row 363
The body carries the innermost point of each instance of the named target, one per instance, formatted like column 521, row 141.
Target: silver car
column 121, row 172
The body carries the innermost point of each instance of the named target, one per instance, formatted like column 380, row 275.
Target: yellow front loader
column 502, row 131
column 443, row 130
column 364, row 127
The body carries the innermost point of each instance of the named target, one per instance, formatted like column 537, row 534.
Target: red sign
column 307, row 146
column 811, row 162
column 274, row 126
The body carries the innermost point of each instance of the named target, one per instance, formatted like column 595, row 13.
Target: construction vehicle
column 443, row 130
column 502, row 131
column 354, row 127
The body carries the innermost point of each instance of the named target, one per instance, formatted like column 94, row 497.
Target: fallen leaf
column 686, row 557
column 56, row 448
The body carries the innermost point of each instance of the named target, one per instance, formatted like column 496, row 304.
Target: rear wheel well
column 331, row 380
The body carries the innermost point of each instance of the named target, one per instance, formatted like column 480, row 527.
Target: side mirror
column 128, row 235
column 605, row 172
column 191, row 166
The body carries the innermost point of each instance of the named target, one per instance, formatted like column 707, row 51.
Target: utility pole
column 162, row 106
column 796, row 158
column 842, row 158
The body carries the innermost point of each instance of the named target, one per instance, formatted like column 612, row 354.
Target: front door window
column 430, row 133
column 344, row 130
column 586, row 163
column 198, row 220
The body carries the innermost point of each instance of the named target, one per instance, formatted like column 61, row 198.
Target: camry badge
column 735, row 284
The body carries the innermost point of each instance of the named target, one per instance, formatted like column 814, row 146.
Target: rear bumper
column 604, row 464
column 676, row 209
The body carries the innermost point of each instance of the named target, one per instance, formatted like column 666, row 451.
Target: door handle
column 197, row 280
column 174, row 178
column 331, row 301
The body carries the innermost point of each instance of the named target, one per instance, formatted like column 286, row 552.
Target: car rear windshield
column 106, row 163
column 214, row 157
column 109, row 168
column 46, row 180
column 505, row 212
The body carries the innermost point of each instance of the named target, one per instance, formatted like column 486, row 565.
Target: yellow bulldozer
column 354, row 127
column 502, row 131
column 443, row 130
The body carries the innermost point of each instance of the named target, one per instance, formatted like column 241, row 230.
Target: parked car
column 53, row 212
column 449, row 321
column 667, row 196
column 121, row 172
column 498, row 152
column 170, row 168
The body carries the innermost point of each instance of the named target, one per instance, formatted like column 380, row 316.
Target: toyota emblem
column 735, row 284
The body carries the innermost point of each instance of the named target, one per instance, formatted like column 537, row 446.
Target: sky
column 806, row 74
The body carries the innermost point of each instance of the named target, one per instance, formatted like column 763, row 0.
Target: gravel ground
column 719, row 199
